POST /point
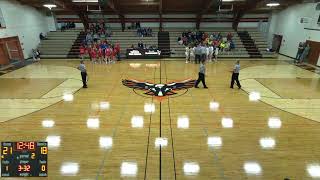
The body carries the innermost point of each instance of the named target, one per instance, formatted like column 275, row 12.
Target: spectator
column 36, row 55
column 305, row 53
column 138, row 25
column 89, row 38
column 95, row 37
column 140, row 45
column 229, row 36
column 300, row 51
column 42, row 37
column 232, row 45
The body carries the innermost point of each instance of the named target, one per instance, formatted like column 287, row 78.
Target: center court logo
column 159, row 90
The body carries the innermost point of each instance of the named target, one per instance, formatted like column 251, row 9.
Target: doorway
column 10, row 50
column 276, row 43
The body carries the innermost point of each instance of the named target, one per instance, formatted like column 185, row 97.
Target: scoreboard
column 24, row 159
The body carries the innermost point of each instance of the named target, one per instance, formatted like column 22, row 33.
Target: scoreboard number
column 24, row 159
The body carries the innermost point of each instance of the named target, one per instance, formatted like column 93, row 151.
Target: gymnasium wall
column 287, row 23
column 25, row 22
column 175, row 20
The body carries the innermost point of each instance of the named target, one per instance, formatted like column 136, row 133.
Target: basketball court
column 141, row 115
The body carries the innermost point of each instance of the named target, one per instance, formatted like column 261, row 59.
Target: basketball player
column 83, row 71
column 210, row 53
column 235, row 75
column 187, row 53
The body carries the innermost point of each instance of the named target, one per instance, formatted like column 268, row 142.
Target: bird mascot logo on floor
column 159, row 91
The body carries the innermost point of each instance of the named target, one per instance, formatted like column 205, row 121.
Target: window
column 2, row 23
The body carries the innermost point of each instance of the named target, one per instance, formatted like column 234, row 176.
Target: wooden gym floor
column 108, row 131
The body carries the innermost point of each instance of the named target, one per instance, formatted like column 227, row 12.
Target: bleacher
column 129, row 38
column 179, row 50
column 66, row 44
column 240, row 51
column 58, row 43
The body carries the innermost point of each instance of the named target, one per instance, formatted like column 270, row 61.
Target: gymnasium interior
column 108, row 89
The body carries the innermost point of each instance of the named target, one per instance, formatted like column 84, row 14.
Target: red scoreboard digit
column 24, row 159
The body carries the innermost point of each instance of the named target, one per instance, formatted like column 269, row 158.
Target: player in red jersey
column 93, row 54
column 108, row 54
column 82, row 52
column 100, row 55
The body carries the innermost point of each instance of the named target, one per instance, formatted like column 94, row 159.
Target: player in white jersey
column 207, row 53
column 192, row 55
column 210, row 52
column 216, row 52
column 187, row 53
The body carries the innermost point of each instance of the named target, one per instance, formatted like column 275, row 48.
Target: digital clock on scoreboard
column 24, row 159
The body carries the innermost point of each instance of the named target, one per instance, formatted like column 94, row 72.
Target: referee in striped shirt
column 84, row 75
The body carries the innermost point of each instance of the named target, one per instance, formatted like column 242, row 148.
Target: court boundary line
column 149, row 130
column 171, row 130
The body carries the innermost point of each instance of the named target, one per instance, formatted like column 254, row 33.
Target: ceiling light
column 50, row 6
column 85, row 1
column 273, row 4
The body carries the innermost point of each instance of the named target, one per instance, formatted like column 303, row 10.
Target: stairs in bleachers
column 249, row 44
column 74, row 51
column 261, row 43
column 58, row 44
column 164, row 43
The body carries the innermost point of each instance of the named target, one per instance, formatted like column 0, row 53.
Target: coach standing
column 83, row 70
column 235, row 75
column 202, row 74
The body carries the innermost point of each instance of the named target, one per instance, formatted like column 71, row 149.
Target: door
column 4, row 57
column 11, row 46
column 314, row 52
column 276, row 43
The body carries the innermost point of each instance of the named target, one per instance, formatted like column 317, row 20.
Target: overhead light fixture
column 85, row 1
column 273, row 4
column 50, row 6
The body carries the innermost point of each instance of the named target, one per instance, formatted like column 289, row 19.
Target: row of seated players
column 101, row 52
